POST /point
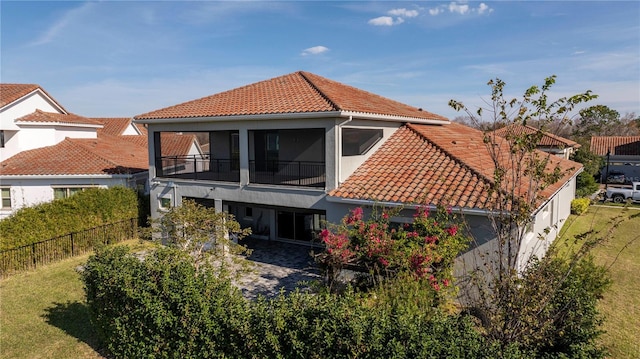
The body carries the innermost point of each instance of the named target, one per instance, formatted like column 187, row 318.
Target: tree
column 204, row 233
column 530, row 305
column 598, row 120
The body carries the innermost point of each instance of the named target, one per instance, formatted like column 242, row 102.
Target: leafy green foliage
column 423, row 250
column 580, row 205
column 596, row 120
column 161, row 306
column 538, row 306
column 586, row 185
column 203, row 232
column 87, row 209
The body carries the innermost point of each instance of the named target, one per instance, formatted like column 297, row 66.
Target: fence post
column 33, row 254
column 72, row 246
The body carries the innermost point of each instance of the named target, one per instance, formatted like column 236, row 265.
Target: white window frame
column 3, row 190
column 67, row 189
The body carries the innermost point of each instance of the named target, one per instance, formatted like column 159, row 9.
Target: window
column 165, row 202
column 6, row 197
column 1, row 138
column 66, row 192
column 358, row 141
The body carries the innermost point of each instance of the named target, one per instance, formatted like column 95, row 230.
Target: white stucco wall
column 24, row 106
column 31, row 191
column 348, row 164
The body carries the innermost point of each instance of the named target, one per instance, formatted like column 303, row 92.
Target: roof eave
column 62, row 124
column 69, row 176
column 368, row 202
column 293, row 115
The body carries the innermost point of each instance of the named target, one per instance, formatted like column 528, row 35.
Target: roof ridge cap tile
column 320, row 92
column 448, row 153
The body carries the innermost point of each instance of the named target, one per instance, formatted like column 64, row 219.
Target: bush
column 580, row 205
column 163, row 307
column 586, row 185
column 87, row 209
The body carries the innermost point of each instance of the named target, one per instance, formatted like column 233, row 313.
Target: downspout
column 338, row 149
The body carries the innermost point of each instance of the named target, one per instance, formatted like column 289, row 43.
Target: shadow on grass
column 73, row 319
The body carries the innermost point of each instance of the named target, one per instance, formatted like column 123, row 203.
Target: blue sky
column 123, row 58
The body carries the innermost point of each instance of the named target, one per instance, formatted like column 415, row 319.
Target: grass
column 43, row 313
column 621, row 254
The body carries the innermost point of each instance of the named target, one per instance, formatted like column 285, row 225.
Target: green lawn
column 621, row 251
column 43, row 313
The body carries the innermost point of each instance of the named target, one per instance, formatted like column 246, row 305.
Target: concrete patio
column 277, row 265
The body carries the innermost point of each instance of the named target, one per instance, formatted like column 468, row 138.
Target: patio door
column 299, row 225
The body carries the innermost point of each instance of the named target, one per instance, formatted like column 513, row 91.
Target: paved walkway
column 277, row 265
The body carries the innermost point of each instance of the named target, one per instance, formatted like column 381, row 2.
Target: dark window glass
column 357, row 141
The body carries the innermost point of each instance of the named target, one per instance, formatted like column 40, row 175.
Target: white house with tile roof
column 289, row 153
column 49, row 153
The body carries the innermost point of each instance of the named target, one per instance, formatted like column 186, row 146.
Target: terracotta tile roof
column 113, row 126
column 548, row 139
column 619, row 145
column 13, row 92
column 104, row 155
column 298, row 92
column 40, row 116
column 448, row 165
column 173, row 144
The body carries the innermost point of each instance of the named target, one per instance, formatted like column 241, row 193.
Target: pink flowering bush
column 423, row 249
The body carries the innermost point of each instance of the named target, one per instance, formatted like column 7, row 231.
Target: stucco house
column 289, row 153
column 49, row 153
column 550, row 143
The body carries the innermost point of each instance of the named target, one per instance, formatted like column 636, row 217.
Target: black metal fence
column 55, row 249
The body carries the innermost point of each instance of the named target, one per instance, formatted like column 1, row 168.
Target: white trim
column 296, row 115
column 366, row 202
column 22, row 177
column 56, row 123
column 53, row 102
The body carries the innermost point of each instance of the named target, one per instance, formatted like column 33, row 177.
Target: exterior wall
column 25, row 106
column 13, row 136
column 348, row 164
column 31, row 191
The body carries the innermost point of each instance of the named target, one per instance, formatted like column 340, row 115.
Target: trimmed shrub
column 580, row 205
column 162, row 307
column 87, row 209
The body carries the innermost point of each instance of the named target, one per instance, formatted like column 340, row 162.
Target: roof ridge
column 320, row 92
column 449, row 154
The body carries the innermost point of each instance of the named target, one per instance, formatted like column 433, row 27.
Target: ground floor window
column 66, row 192
column 300, row 225
column 6, row 197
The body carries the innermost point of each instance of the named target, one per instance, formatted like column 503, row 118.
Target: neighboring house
column 623, row 155
column 550, row 143
column 287, row 154
column 74, row 164
column 49, row 153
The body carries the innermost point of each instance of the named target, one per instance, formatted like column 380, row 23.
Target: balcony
column 290, row 173
column 198, row 167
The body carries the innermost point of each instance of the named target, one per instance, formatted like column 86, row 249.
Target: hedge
column 87, row 209
column 161, row 307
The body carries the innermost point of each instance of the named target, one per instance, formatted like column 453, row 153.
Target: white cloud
column 482, row 8
column 382, row 21
column 316, row 50
column 403, row 12
column 63, row 22
column 458, row 8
